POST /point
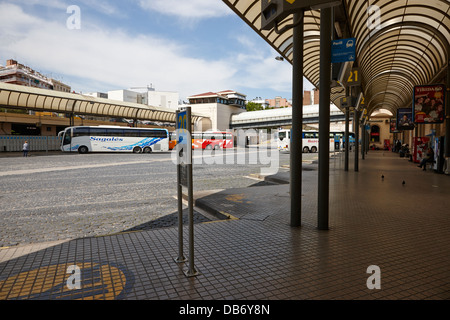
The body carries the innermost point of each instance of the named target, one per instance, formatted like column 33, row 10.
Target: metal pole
column 181, row 257
column 346, row 136
column 447, row 118
column 324, row 117
column 356, row 123
column 297, row 122
column 367, row 141
column 363, row 140
column 192, row 271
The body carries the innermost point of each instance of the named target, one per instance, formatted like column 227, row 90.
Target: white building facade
column 218, row 107
column 148, row 96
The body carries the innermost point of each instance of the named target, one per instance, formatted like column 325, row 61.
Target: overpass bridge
column 28, row 98
column 274, row 118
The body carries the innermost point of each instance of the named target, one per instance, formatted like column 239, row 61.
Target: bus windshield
column 282, row 135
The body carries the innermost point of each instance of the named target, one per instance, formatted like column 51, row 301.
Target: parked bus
column 310, row 140
column 207, row 140
column 85, row 139
column 212, row 140
column 172, row 140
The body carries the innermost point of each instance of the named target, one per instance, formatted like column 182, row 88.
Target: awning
column 407, row 45
column 30, row 98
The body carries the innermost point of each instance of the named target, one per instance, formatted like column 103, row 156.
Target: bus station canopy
column 30, row 98
column 399, row 44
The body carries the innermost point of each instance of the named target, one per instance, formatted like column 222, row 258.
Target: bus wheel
column 209, row 147
column 137, row 150
column 147, row 150
column 313, row 149
column 216, row 147
column 305, row 149
column 83, row 149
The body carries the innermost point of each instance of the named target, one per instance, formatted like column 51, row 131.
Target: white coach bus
column 85, row 139
column 310, row 140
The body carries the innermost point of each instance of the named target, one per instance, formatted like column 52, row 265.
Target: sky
column 189, row 47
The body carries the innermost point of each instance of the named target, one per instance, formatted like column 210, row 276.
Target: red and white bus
column 207, row 140
column 212, row 140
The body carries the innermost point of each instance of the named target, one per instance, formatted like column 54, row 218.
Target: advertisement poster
column 420, row 148
column 393, row 126
column 404, row 119
column 429, row 103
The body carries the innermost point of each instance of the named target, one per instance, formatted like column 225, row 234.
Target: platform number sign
column 354, row 78
column 182, row 120
column 183, row 146
column 182, row 126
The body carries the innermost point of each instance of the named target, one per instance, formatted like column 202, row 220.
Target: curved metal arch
column 309, row 27
column 359, row 28
column 403, row 46
column 415, row 77
column 310, row 42
column 400, row 62
column 387, row 72
column 399, row 21
column 383, row 105
column 398, row 26
column 388, row 92
column 286, row 46
column 398, row 90
column 381, row 94
column 385, row 80
column 388, row 99
column 385, row 53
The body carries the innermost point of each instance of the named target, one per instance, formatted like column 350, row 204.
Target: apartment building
column 17, row 73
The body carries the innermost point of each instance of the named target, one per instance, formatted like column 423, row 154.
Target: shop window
column 374, row 133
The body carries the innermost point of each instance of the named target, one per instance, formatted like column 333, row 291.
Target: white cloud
column 263, row 71
column 59, row 4
column 112, row 58
column 99, row 58
column 193, row 9
column 103, row 6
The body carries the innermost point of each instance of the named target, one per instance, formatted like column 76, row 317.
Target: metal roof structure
column 399, row 44
column 29, row 98
column 278, row 115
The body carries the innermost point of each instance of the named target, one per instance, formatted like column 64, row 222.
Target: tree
column 253, row 106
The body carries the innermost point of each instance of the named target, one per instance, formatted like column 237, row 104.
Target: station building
column 218, row 106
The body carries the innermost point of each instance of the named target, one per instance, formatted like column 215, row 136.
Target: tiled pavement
column 404, row 229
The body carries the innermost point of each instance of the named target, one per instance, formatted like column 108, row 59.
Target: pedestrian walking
column 25, row 149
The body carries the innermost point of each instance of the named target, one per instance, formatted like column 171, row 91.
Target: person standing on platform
column 25, row 149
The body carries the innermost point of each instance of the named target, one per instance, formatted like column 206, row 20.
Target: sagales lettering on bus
column 106, row 139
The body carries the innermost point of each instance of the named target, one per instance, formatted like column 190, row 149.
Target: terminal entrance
column 25, row 129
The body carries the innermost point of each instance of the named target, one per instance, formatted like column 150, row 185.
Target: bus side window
column 97, row 132
column 115, row 133
column 80, row 132
column 129, row 132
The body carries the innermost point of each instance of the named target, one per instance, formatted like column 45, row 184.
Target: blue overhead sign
column 343, row 50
